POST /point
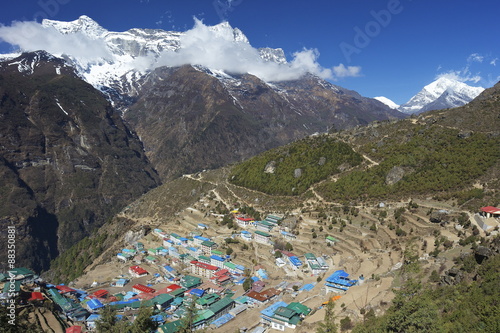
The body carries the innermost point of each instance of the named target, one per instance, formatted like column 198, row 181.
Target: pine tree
column 143, row 322
column 328, row 324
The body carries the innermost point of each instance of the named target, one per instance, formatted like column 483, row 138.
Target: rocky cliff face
column 190, row 118
column 67, row 160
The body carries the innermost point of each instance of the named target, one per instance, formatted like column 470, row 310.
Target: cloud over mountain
column 217, row 47
column 32, row 36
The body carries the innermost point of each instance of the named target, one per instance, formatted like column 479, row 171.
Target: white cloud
column 217, row 49
column 463, row 75
column 213, row 47
column 494, row 62
column 32, row 36
column 475, row 57
column 349, row 71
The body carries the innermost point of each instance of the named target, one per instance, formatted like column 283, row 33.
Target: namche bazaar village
column 180, row 269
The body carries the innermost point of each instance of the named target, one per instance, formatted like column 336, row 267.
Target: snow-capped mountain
column 442, row 93
column 387, row 102
column 127, row 56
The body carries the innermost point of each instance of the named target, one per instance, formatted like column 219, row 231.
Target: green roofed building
column 204, row 259
column 15, row 287
column 22, row 274
column 60, row 300
column 207, row 247
column 284, row 317
column 163, row 300
column 203, row 317
column 218, row 253
column 310, row 256
column 300, row 308
column 189, row 281
column 331, row 240
column 221, row 307
column 178, row 293
column 206, row 301
column 171, row 327
column 262, row 237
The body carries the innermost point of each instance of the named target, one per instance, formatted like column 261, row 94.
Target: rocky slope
column 67, row 161
column 190, row 118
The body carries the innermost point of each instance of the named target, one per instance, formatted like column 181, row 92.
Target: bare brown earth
column 376, row 255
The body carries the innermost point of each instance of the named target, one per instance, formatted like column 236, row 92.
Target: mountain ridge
column 68, row 161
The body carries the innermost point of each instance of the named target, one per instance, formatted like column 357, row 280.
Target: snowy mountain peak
column 444, row 92
column 387, row 102
column 273, row 55
column 83, row 24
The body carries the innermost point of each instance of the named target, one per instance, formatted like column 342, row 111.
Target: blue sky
column 399, row 45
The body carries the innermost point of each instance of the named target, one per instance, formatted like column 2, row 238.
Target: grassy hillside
column 292, row 169
column 445, row 154
column 422, row 161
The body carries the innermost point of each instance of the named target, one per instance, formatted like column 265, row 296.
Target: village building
column 217, row 261
column 124, row 256
column 273, row 219
column 137, row 271
column 140, row 288
column 246, row 235
column 331, row 240
column 207, row 300
column 323, row 264
column 313, row 264
column 264, row 226
column 203, row 269
column 339, row 282
column 202, row 226
column 243, row 222
column 23, row 275
column 199, row 239
column 262, row 237
column 288, row 235
column 211, row 287
column 280, row 262
column 488, row 219
column 280, row 315
column 295, row 262
column 207, row 247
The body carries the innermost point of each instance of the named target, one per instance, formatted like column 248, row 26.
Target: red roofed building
column 222, row 280
column 74, row 329
column 36, row 296
column 137, row 271
column 64, row 289
column 210, row 287
column 490, row 211
column 169, row 289
column 489, row 218
column 244, row 221
column 140, row 288
column 257, row 297
column 222, row 272
column 101, row 293
column 203, row 269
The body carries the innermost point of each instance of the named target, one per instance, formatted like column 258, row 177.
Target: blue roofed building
column 339, row 282
column 280, row 315
column 217, row 261
column 295, row 262
column 94, row 305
